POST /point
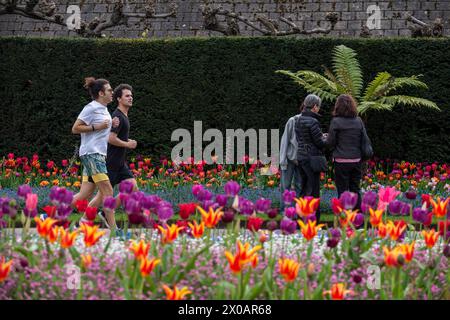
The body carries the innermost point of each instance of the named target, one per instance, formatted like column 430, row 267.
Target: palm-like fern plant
column 346, row 78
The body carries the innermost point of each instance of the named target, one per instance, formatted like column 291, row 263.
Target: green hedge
column 225, row 82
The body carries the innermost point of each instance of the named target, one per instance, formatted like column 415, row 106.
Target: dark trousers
column 291, row 173
column 310, row 183
column 348, row 178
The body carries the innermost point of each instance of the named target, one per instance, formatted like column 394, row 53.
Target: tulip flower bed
column 365, row 255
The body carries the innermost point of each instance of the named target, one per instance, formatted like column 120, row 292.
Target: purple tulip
column 209, row 204
column 29, row 213
column 395, row 207
column 290, row 212
column 4, row 205
column 332, row 242
column 221, row 200
column 137, row 195
column 126, row 187
column 196, row 188
column 288, row 197
column 232, row 188
column 359, row 220
column 123, row 199
column 406, row 209
column 263, row 205
column 135, row 219
column 23, row 190
column 272, row 213
column 64, row 210
column 203, row 194
column 272, row 225
column 132, row 207
column 164, row 211
column 446, row 251
column 288, row 226
column 369, row 200
column 246, row 207
column 60, row 195
column 419, row 214
column 411, row 195
column 3, row 224
column 311, row 217
column 109, row 203
column 348, row 200
column 335, row 233
column 228, row 216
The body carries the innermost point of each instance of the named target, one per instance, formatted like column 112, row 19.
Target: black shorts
column 116, row 177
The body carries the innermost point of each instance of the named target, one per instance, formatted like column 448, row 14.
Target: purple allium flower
column 272, row 225
column 232, row 188
column 126, row 187
column 288, row 226
column 228, row 216
column 263, row 205
column 109, row 203
column 288, row 196
column 359, row 220
column 290, row 212
column 369, row 200
column 23, row 190
column 221, row 200
column 272, row 213
column 348, row 200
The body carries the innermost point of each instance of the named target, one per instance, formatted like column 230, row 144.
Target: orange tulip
column 288, row 269
column 375, row 217
column 197, row 229
column 338, row 291
column 236, row 264
column 309, row 230
column 91, row 234
column 399, row 255
column 44, row 227
column 67, row 238
column 211, row 218
column 147, row 266
column 430, row 237
column 5, row 268
column 395, row 230
column 243, row 256
column 86, row 260
column 306, row 206
column 53, row 234
column 347, row 216
column 408, row 250
column 140, row 249
column 175, row 294
column 382, row 230
column 169, row 234
column 244, row 251
column 440, row 207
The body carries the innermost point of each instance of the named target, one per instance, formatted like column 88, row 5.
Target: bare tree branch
column 45, row 10
column 268, row 27
column 422, row 29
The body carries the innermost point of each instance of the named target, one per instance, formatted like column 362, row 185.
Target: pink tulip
column 386, row 195
column 31, row 201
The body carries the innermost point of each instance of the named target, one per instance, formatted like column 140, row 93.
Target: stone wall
column 189, row 20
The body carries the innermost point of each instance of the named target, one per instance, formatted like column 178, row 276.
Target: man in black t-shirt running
column 119, row 142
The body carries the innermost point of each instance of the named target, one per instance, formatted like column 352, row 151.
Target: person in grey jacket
column 311, row 142
column 288, row 159
column 344, row 139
